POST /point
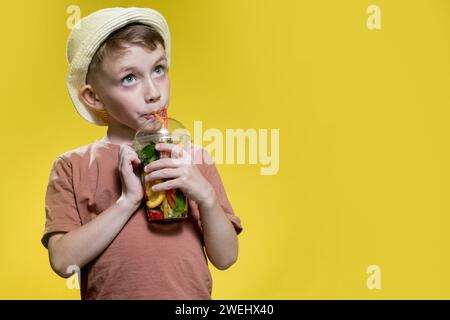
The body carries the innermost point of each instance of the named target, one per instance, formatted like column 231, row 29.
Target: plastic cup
column 167, row 205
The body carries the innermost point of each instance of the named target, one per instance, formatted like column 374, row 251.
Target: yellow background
column 364, row 139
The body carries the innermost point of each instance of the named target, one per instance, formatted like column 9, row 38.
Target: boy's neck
column 118, row 134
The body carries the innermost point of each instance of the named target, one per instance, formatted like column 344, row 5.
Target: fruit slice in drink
column 154, row 199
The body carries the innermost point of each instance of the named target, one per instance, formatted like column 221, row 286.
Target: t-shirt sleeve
column 60, row 206
column 213, row 176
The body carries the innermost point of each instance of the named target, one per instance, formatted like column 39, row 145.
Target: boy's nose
column 151, row 92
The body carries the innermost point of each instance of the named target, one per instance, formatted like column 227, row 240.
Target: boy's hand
column 132, row 190
column 183, row 175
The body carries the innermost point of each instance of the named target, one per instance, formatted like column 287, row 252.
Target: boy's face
column 132, row 85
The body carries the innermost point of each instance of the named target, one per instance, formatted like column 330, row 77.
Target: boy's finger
column 174, row 149
column 165, row 146
column 161, row 163
column 135, row 161
column 166, row 173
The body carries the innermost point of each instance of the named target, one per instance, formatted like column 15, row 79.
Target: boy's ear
column 89, row 98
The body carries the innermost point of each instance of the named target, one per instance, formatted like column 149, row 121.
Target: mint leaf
column 149, row 153
column 180, row 201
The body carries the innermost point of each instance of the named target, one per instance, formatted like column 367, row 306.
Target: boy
column 119, row 61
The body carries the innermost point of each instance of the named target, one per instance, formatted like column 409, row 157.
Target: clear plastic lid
column 156, row 128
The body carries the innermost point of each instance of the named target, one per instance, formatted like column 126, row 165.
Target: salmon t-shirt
column 145, row 260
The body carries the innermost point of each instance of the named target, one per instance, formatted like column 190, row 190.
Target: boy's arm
column 221, row 243
column 219, row 224
column 81, row 245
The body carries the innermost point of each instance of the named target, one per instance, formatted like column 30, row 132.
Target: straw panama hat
column 87, row 36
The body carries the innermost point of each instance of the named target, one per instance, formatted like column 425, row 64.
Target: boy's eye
column 161, row 70
column 128, row 79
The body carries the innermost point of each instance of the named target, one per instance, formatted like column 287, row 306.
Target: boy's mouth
column 159, row 112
